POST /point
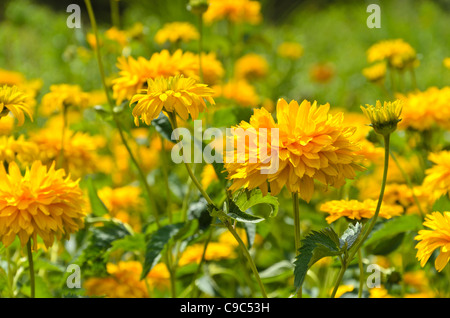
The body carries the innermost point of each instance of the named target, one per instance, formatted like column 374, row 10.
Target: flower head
column 423, row 110
column 357, row 210
column 236, row 11
column 384, row 118
column 251, row 66
column 177, row 94
column 42, row 202
column 63, row 95
column 290, row 50
column 397, row 53
column 312, row 145
column 376, row 72
column 15, row 101
column 124, row 280
column 176, row 32
column 437, row 179
column 437, row 237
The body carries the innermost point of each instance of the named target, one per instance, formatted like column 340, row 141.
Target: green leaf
column 234, row 212
column 442, row 204
column 392, row 227
column 95, row 255
column 245, row 200
column 156, row 243
column 130, row 243
column 163, row 126
column 98, row 208
column 317, row 245
column 387, row 245
column 199, row 211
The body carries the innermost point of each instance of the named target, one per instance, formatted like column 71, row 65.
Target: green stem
column 10, row 274
column 297, row 234
column 31, row 266
column 413, row 77
column 166, row 179
column 373, row 220
column 200, row 46
column 361, row 274
column 248, row 256
column 173, row 121
column 141, row 174
column 115, row 14
column 202, row 260
column 409, row 183
column 60, row 161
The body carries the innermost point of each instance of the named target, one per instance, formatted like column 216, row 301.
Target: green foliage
column 95, row 256
column 98, row 208
column 316, row 245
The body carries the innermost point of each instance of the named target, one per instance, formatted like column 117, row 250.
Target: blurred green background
column 36, row 41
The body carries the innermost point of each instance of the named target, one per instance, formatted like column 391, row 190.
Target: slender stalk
column 173, row 121
column 10, row 274
column 297, row 236
column 248, row 256
column 373, row 220
column 200, row 46
column 409, row 183
column 166, row 180
column 31, row 266
column 202, row 261
column 60, row 161
column 413, row 77
column 361, row 273
column 115, row 14
column 141, row 174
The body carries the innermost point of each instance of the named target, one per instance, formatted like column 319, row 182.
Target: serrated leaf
column 234, row 212
column 317, row 245
column 156, row 243
column 94, row 256
column 245, row 200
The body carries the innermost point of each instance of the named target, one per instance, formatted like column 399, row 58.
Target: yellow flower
column 239, row 91
column 61, row 96
column 437, row 179
column 384, row 118
column 357, row 210
column 376, row 72
column 312, row 145
column 446, row 62
column 41, row 203
column 176, row 94
column 6, row 125
column 19, row 150
column 236, row 11
column 423, row 110
column 215, row 251
column 437, row 237
column 11, row 78
column 124, row 281
column 208, row 176
column 15, row 101
column 397, row 53
column 134, row 73
column 290, row 50
column 212, row 69
column 121, row 198
column 251, row 66
column 80, row 149
column 176, row 32
column 342, row 289
column 402, row 194
column 117, row 35
column 379, row 292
